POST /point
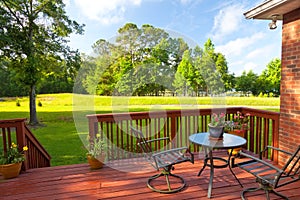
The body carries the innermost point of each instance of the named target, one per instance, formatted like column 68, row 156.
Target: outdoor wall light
column 272, row 24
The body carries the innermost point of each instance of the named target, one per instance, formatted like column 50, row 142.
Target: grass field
column 60, row 137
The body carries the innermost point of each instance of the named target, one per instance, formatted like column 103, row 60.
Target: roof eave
column 269, row 8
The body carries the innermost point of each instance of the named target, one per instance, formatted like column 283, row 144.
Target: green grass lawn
column 60, row 137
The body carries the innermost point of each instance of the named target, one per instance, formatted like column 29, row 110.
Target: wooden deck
column 126, row 179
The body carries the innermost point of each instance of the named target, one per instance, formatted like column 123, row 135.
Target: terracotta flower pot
column 10, row 170
column 96, row 163
column 240, row 133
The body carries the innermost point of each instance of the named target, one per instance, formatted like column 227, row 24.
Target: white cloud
column 66, row 2
column 250, row 66
column 239, row 67
column 227, row 21
column 238, row 46
column 185, row 1
column 105, row 11
column 261, row 51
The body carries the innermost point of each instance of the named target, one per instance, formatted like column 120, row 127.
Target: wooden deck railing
column 15, row 130
column 178, row 125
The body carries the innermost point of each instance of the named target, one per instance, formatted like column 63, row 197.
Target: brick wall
column 289, row 132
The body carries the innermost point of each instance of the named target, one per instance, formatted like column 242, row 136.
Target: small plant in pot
column 238, row 126
column 96, row 152
column 239, row 122
column 216, row 125
column 11, row 161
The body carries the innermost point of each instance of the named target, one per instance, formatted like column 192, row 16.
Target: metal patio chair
column 164, row 161
column 268, row 176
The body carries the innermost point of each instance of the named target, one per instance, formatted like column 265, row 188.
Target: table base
column 209, row 161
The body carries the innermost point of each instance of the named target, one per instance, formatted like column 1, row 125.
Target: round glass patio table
column 228, row 141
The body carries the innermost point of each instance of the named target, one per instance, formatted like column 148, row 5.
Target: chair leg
column 249, row 190
column 279, row 194
column 169, row 190
column 168, row 182
column 267, row 194
column 267, row 190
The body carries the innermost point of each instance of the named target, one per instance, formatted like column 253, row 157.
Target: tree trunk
column 32, row 106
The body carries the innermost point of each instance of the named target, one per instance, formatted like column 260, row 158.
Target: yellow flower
column 13, row 145
column 97, row 135
column 25, row 148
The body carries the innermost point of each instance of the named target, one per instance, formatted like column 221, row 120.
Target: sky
column 247, row 44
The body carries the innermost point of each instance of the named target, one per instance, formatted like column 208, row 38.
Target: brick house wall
column 289, row 128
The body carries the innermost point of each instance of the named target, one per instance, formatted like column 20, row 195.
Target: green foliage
column 97, row 146
column 13, row 155
column 270, row 78
column 34, row 42
column 9, row 86
column 142, row 62
column 147, row 61
column 265, row 85
column 184, row 74
column 246, row 83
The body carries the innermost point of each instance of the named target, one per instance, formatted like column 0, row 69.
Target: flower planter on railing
column 241, row 133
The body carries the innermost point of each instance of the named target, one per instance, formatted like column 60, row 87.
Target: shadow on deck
column 126, row 179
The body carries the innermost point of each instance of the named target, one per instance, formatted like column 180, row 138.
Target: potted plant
column 238, row 126
column 11, row 161
column 96, row 152
column 216, row 125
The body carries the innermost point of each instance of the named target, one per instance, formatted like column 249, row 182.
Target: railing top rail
column 146, row 114
column 261, row 113
column 36, row 143
column 109, row 117
column 11, row 121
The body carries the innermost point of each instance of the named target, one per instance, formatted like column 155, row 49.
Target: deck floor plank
column 126, row 179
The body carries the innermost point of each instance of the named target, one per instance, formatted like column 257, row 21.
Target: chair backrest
column 142, row 142
column 291, row 169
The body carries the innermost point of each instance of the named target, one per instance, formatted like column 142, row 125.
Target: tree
column 271, row 77
column 184, row 75
column 222, row 68
column 33, row 38
column 247, row 82
column 214, row 69
column 199, row 82
column 138, row 60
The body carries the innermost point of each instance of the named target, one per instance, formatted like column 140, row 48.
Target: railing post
column 20, row 137
column 275, row 130
column 93, row 127
column 173, row 127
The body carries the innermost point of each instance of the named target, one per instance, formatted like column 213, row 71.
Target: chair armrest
column 155, row 140
column 170, row 151
column 255, row 159
column 158, row 139
column 277, row 149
